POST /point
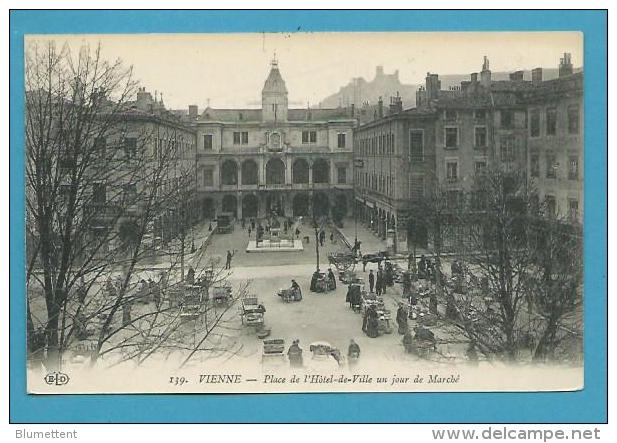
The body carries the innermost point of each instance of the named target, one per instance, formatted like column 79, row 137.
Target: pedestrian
column 190, row 276
column 229, row 257
column 422, row 268
column 379, row 282
column 126, row 313
column 371, row 281
column 249, row 232
column 82, row 290
column 294, row 353
column 111, row 289
column 372, row 323
column 332, row 237
column 401, row 319
column 297, row 233
column 331, row 280
column 155, row 293
column 253, row 224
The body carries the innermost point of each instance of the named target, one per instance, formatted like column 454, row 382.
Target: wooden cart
column 252, row 312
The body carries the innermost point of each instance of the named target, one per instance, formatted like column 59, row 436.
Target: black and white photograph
column 304, row 212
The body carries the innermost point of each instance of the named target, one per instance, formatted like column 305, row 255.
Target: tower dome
column 274, row 95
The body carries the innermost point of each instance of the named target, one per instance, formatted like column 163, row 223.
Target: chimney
column 433, row 85
column 420, row 96
column 379, row 71
column 193, row 111
column 144, row 99
column 485, row 75
column 396, row 104
column 380, row 107
column 536, row 75
column 565, row 65
column 516, row 76
column 474, row 77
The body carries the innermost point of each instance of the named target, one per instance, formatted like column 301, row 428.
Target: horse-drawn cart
column 343, row 261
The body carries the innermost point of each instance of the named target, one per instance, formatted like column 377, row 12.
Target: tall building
column 274, row 160
column 394, row 158
column 452, row 135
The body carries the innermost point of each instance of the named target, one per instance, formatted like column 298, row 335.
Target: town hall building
column 274, row 160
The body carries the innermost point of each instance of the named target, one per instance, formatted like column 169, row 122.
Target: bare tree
column 495, row 251
column 70, row 103
column 556, row 286
column 101, row 176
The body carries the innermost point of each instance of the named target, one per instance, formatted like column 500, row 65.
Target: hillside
column 358, row 90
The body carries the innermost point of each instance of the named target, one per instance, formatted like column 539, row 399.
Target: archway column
column 288, row 170
column 239, row 206
column 261, row 173
column 288, row 205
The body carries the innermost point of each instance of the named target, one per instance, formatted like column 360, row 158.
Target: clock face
column 275, row 141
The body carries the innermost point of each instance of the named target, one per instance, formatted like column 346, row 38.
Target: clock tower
column 274, row 96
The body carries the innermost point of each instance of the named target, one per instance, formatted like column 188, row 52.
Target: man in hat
column 229, row 257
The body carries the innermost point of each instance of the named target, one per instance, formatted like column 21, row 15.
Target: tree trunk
column 546, row 345
column 51, row 334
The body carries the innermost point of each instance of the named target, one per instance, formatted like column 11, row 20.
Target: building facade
column 146, row 146
column 253, row 163
column 395, row 164
column 555, row 141
column 439, row 147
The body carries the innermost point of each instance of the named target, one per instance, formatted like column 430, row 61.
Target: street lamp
column 316, row 242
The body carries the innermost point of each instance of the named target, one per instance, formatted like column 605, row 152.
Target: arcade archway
column 321, row 204
column 275, row 172
column 230, row 204
column 250, row 206
column 229, row 173
column 300, row 205
column 208, row 208
column 250, row 174
column 321, row 171
column 300, row 171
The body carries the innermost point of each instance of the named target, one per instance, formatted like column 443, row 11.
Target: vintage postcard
column 304, row 212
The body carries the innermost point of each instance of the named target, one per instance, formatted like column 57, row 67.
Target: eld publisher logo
column 56, row 378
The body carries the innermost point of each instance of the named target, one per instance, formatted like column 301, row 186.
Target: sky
column 229, row 70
